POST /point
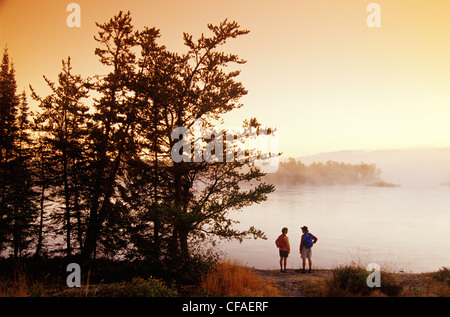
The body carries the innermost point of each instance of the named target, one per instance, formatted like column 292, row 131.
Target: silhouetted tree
column 62, row 125
column 17, row 195
column 112, row 135
column 144, row 98
column 184, row 88
column 109, row 165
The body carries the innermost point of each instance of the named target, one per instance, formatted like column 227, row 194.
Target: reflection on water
column 401, row 228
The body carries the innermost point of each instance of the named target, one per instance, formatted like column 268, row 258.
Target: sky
column 315, row 69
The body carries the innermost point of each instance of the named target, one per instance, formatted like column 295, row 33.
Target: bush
column 443, row 275
column 389, row 285
column 138, row 287
column 351, row 279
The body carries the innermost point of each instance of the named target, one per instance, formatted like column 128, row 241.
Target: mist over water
column 408, row 168
column 403, row 228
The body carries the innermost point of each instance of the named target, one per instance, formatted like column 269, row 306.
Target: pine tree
column 17, row 196
column 62, row 126
column 195, row 196
column 117, row 172
column 112, row 135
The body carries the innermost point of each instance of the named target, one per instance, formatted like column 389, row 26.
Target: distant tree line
column 294, row 172
column 90, row 172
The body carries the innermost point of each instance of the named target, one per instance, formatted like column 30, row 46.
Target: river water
column 401, row 229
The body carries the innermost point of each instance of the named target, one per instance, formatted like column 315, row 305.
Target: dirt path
column 290, row 283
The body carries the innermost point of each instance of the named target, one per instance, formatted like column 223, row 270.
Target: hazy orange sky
column 315, row 69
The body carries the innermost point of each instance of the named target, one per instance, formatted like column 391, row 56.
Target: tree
column 184, row 88
column 143, row 99
column 112, row 133
column 109, row 165
column 17, row 193
column 62, row 125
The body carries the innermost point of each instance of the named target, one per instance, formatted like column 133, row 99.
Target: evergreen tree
column 62, row 126
column 112, row 135
column 143, row 99
column 110, row 166
column 183, row 88
column 17, row 196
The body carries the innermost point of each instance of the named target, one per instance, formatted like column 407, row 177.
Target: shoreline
column 322, row 283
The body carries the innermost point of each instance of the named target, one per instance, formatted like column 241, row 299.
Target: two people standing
column 307, row 240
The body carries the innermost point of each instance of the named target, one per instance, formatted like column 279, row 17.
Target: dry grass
column 18, row 287
column 234, row 280
column 13, row 289
column 350, row 281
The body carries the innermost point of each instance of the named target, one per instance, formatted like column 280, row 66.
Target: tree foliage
column 104, row 180
column 17, row 193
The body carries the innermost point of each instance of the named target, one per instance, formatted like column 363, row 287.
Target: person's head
column 304, row 229
column 284, row 230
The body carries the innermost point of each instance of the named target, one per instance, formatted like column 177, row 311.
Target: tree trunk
column 41, row 223
column 67, row 202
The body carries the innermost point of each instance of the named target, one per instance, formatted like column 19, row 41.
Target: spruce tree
column 17, row 192
column 62, row 128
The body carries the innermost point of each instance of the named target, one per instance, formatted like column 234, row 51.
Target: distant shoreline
column 383, row 184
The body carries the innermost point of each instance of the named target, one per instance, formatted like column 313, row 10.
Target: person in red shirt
column 284, row 247
column 306, row 242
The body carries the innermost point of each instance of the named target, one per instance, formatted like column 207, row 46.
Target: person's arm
column 314, row 238
column 301, row 243
column 288, row 246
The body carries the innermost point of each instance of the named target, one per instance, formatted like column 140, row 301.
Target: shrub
column 351, row 279
column 443, row 275
column 389, row 285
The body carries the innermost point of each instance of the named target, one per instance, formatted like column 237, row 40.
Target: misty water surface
column 401, row 229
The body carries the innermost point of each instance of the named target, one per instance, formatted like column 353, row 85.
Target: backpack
column 280, row 241
column 308, row 240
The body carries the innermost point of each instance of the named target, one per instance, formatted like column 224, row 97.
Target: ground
column 290, row 283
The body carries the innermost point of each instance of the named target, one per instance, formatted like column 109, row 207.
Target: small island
column 383, row 184
column 295, row 173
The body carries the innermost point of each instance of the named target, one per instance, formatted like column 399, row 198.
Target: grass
column 31, row 278
column 351, row 281
column 137, row 287
column 234, row 280
column 225, row 279
column 222, row 279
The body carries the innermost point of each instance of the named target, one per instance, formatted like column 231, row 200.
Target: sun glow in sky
column 315, row 69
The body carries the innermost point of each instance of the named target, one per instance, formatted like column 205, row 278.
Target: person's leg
column 302, row 255
column 281, row 264
column 309, row 259
column 285, row 264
